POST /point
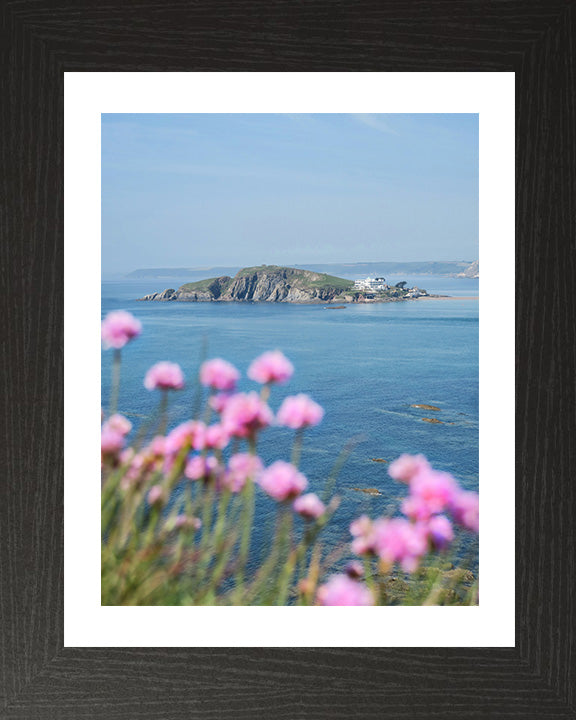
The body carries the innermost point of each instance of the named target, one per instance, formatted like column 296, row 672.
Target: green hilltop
column 304, row 279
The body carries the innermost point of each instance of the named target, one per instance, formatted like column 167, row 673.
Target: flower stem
column 116, row 362
column 287, row 571
column 163, row 412
column 369, row 576
column 247, row 518
column 297, row 447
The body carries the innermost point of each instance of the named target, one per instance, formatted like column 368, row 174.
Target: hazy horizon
column 202, row 191
column 346, row 270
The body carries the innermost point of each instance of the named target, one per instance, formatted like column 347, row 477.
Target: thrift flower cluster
column 426, row 527
column 119, row 328
column 271, row 367
column 299, row 411
column 405, row 541
column 199, row 446
column 164, row 376
column 343, row 590
column 222, row 455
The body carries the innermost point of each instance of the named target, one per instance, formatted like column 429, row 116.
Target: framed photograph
column 305, row 398
column 257, row 517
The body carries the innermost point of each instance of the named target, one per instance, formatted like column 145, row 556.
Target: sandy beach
column 447, row 297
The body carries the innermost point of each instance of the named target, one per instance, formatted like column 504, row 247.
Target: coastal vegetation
column 179, row 510
column 299, row 277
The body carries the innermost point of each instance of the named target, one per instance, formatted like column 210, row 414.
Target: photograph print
column 290, row 359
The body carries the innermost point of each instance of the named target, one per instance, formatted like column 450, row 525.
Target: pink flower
column 406, row 467
column 440, row 532
column 118, row 423
column 157, row 447
column 465, row 510
column 155, row 495
column 190, row 435
column 241, row 467
column 435, row 489
column 245, row 414
column 416, row 509
column 397, row 540
column 216, row 437
column 202, row 467
column 342, row 590
column 118, row 328
column 309, row 506
column 299, row 411
column 282, row 481
column 111, row 441
column 218, row 402
column 271, row 367
column 219, row 374
column 141, row 464
column 164, row 376
column 138, row 465
column 362, row 530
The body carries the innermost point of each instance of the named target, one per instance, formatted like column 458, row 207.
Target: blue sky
column 200, row 190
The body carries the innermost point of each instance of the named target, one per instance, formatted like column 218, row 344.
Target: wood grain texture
column 40, row 40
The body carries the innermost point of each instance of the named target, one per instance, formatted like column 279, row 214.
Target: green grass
column 199, row 285
column 331, row 281
column 260, row 268
column 304, row 279
column 301, row 278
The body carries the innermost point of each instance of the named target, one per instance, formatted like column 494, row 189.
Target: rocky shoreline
column 171, row 296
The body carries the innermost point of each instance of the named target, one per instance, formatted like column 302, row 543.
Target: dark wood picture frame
column 41, row 39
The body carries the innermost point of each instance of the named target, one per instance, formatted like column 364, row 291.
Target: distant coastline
column 456, row 268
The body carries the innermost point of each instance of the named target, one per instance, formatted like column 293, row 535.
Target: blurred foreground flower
column 299, row 411
column 407, row 467
column 271, row 367
column 399, row 541
column 245, row 414
column 219, row 374
column 309, row 506
column 342, row 590
column 164, row 376
column 111, row 442
column 118, row 423
column 118, row 328
column 465, row 510
column 242, row 467
column 282, row 481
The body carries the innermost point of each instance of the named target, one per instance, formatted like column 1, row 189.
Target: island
column 274, row 283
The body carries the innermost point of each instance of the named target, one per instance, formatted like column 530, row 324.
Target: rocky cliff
column 266, row 283
column 472, row 271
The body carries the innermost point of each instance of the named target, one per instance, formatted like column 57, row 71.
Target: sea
column 367, row 365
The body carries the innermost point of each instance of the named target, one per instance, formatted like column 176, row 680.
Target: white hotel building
column 369, row 283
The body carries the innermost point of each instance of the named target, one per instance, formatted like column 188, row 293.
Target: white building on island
column 378, row 283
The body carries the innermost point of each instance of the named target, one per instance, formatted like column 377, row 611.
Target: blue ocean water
column 366, row 365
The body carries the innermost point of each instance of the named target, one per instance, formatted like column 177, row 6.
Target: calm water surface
column 366, row 365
